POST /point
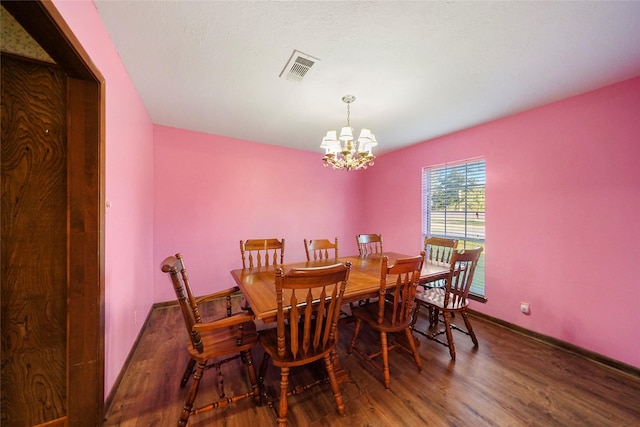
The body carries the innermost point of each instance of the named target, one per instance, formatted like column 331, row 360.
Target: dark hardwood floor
column 510, row 380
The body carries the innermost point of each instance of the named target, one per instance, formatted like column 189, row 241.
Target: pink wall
column 211, row 192
column 129, row 190
column 563, row 215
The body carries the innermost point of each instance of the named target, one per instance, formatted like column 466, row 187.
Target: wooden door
column 52, row 229
column 34, row 244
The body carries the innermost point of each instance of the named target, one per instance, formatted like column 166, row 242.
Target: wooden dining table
column 258, row 284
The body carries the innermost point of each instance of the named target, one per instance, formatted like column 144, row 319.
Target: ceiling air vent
column 298, row 66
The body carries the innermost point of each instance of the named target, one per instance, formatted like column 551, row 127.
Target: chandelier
column 344, row 152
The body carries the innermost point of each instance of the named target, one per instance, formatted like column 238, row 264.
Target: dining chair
column 193, row 302
column 259, row 252
column 438, row 249
column 213, row 343
column 320, row 249
column 369, row 243
column 453, row 298
column 308, row 301
column 392, row 313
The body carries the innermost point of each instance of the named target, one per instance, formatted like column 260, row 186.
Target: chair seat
column 269, row 341
column 221, row 342
column 435, row 297
column 369, row 313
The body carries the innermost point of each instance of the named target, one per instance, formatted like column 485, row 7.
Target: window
column 453, row 206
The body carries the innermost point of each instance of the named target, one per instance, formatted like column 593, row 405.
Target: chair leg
column 385, row 359
column 187, row 373
column 191, row 397
column 256, row 386
column 263, row 367
column 414, row 349
column 219, row 381
column 284, row 388
column 447, row 329
column 356, row 331
column 415, row 314
column 335, row 388
column 470, row 332
column 433, row 316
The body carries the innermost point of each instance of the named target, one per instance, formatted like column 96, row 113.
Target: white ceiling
column 418, row 69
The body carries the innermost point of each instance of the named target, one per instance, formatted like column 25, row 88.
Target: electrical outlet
column 524, row 307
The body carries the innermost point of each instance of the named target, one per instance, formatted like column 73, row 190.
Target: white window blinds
column 453, row 206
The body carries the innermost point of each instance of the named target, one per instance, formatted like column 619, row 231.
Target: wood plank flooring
column 510, row 380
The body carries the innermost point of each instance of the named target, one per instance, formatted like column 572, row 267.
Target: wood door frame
column 85, row 206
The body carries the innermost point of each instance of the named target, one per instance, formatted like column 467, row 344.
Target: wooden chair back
column 463, row 266
column 320, row 249
column 261, row 252
column 315, row 296
column 395, row 304
column 369, row 244
column 439, row 248
column 174, row 266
